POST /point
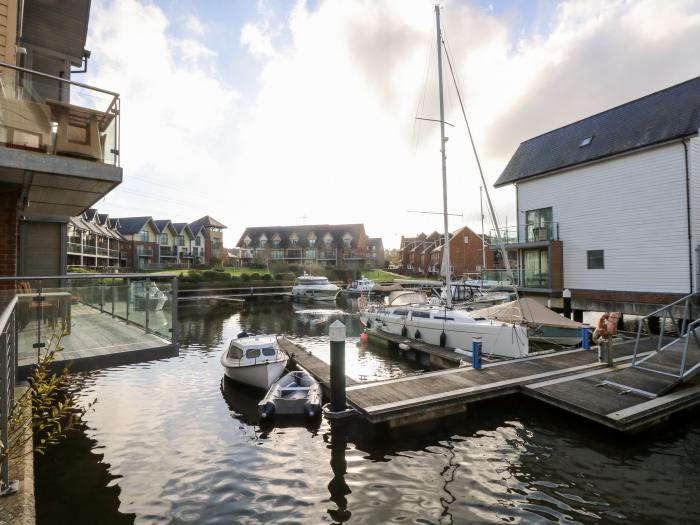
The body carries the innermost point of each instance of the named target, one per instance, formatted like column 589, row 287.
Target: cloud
column 194, row 25
column 327, row 130
column 176, row 114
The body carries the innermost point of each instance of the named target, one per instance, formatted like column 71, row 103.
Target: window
column 269, row 351
column 538, row 225
column 198, row 241
column 596, row 259
column 143, row 236
column 466, row 239
column 163, row 238
column 253, row 353
column 234, row 352
column 585, row 142
column 180, row 240
column 277, row 254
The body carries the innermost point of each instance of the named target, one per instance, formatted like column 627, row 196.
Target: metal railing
column 45, row 304
column 548, row 231
column 686, row 330
column 8, row 374
column 56, row 116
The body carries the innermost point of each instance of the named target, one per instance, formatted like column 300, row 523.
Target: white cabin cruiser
column 410, row 315
column 254, row 360
column 145, row 294
column 313, row 288
column 360, row 286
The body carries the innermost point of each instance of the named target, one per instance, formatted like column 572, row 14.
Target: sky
column 263, row 113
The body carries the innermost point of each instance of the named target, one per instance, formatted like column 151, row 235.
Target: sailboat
column 411, row 315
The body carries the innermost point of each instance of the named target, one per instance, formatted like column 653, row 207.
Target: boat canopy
column 528, row 310
column 406, row 297
column 386, row 287
column 311, row 279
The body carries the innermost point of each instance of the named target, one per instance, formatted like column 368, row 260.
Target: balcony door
column 536, row 268
column 537, row 224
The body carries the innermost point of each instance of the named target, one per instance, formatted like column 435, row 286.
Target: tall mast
column 483, row 239
column 446, row 247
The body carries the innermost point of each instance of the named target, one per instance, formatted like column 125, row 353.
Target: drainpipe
column 687, row 199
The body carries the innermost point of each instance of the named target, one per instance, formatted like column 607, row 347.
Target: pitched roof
column 180, row 227
column 337, row 231
column 207, row 222
column 375, row 241
column 130, row 225
column 669, row 114
column 90, row 213
column 162, row 224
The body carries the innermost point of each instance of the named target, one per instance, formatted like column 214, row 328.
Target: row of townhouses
column 422, row 255
column 343, row 246
column 95, row 240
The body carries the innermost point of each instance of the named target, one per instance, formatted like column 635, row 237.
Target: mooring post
column 476, row 352
column 585, row 341
column 566, row 294
column 337, row 337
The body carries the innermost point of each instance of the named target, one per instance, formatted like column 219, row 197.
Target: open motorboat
column 360, row 286
column 254, row 360
column 410, row 315
column 293, row 393
column 313, row 288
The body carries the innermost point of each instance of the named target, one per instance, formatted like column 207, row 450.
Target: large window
column 277, row 254
column 143, row 236
column 536, row 268
column 163, row 238
column 596, row 259
column 538, row 224
column 180, row 240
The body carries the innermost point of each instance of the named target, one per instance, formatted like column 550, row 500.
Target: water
column 170, row 442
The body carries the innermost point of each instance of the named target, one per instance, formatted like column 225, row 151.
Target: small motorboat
column 360, row 286
column 145, row 294
column 293, row 393
column 254, row 360
column 314, row 288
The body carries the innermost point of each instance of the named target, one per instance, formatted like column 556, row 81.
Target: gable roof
column 206, row 222
column 163, row 224
column 181, row 227
column 337, row 231
column 669, row 114
column 90, row 213
column 131, row 225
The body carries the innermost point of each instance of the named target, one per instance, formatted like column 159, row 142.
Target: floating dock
column 573, row 380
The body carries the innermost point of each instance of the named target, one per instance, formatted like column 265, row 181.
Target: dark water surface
column 170, row 442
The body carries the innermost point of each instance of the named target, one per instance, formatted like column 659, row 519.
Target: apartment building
column 422, row 255
column 94, row 242
column 209, row 238
column 609, row 206
column 59, row 141
column 344, row 246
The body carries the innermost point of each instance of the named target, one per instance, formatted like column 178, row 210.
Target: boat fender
column 311, row 411
column 443, row 339
column 404, row 331
column 242, row 334
column 404, row 346
column 364, row 336
column 417, row 334
column 267, row 410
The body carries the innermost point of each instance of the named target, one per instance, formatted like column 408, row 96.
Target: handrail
column 59, row 79
column 5, row 316
column 656, row 312
column 88, row 276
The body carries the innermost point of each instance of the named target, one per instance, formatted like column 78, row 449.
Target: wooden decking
column 436, row 355
column 95, row 340
column 572, row 380
column 317, row 368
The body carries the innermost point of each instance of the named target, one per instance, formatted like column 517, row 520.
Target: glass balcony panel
column 57, row 117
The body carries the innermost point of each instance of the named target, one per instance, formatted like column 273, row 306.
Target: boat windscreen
column 402, row 298
column 268, row 351
column 234, row 352
column 252, row 353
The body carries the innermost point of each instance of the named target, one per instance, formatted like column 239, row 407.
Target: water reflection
column 339, row 490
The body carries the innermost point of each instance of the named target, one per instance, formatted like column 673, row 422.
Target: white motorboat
column 147, row 293
column 360, row 286
column 313, row 288
column 254, row 360
column 410, row 315
column 293, row 393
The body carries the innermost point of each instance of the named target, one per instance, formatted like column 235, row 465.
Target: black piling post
column 566, row 294
column 337, row 337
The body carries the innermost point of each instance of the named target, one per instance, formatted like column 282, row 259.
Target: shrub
column 266, row 277
column 209, row 275
column 219, row 270
column 245, row 278
column 222, row 276
column 255, row 275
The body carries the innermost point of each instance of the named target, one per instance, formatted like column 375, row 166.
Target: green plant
column 46, row 410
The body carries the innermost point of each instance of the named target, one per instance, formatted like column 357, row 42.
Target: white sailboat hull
column 504, row 340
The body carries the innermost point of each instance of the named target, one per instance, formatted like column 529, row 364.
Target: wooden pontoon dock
column 619, row 397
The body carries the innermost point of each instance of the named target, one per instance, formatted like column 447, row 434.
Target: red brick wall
column 9, row 195
column 207, row 251
column 466, row 257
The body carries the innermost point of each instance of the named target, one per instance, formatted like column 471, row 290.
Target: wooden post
column 566, row 294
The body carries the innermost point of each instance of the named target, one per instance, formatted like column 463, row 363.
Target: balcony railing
column 294, row 254
column 548, row 231
column 55, row 116
column 146, row 252
column 326, row 255
column 168, row 251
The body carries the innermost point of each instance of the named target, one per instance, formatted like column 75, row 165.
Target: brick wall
column 465, row 257
column 9, row 195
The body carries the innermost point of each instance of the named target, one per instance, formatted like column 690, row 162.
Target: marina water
column 170, row 442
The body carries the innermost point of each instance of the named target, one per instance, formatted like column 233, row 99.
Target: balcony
column 527, row 234
column 113, row 254
column 326, row 255
column 294, row 253
column 354, row 255
column 65, row 133
column 145, row 252
column 168, row 251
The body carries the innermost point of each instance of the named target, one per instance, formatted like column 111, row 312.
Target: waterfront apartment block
column 59, row 140
column 94, row 241
column 343, row 246
column 422, row 255
column 609, row 206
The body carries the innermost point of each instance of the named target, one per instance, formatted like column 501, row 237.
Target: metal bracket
column 628, row 389
column 38, row 345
